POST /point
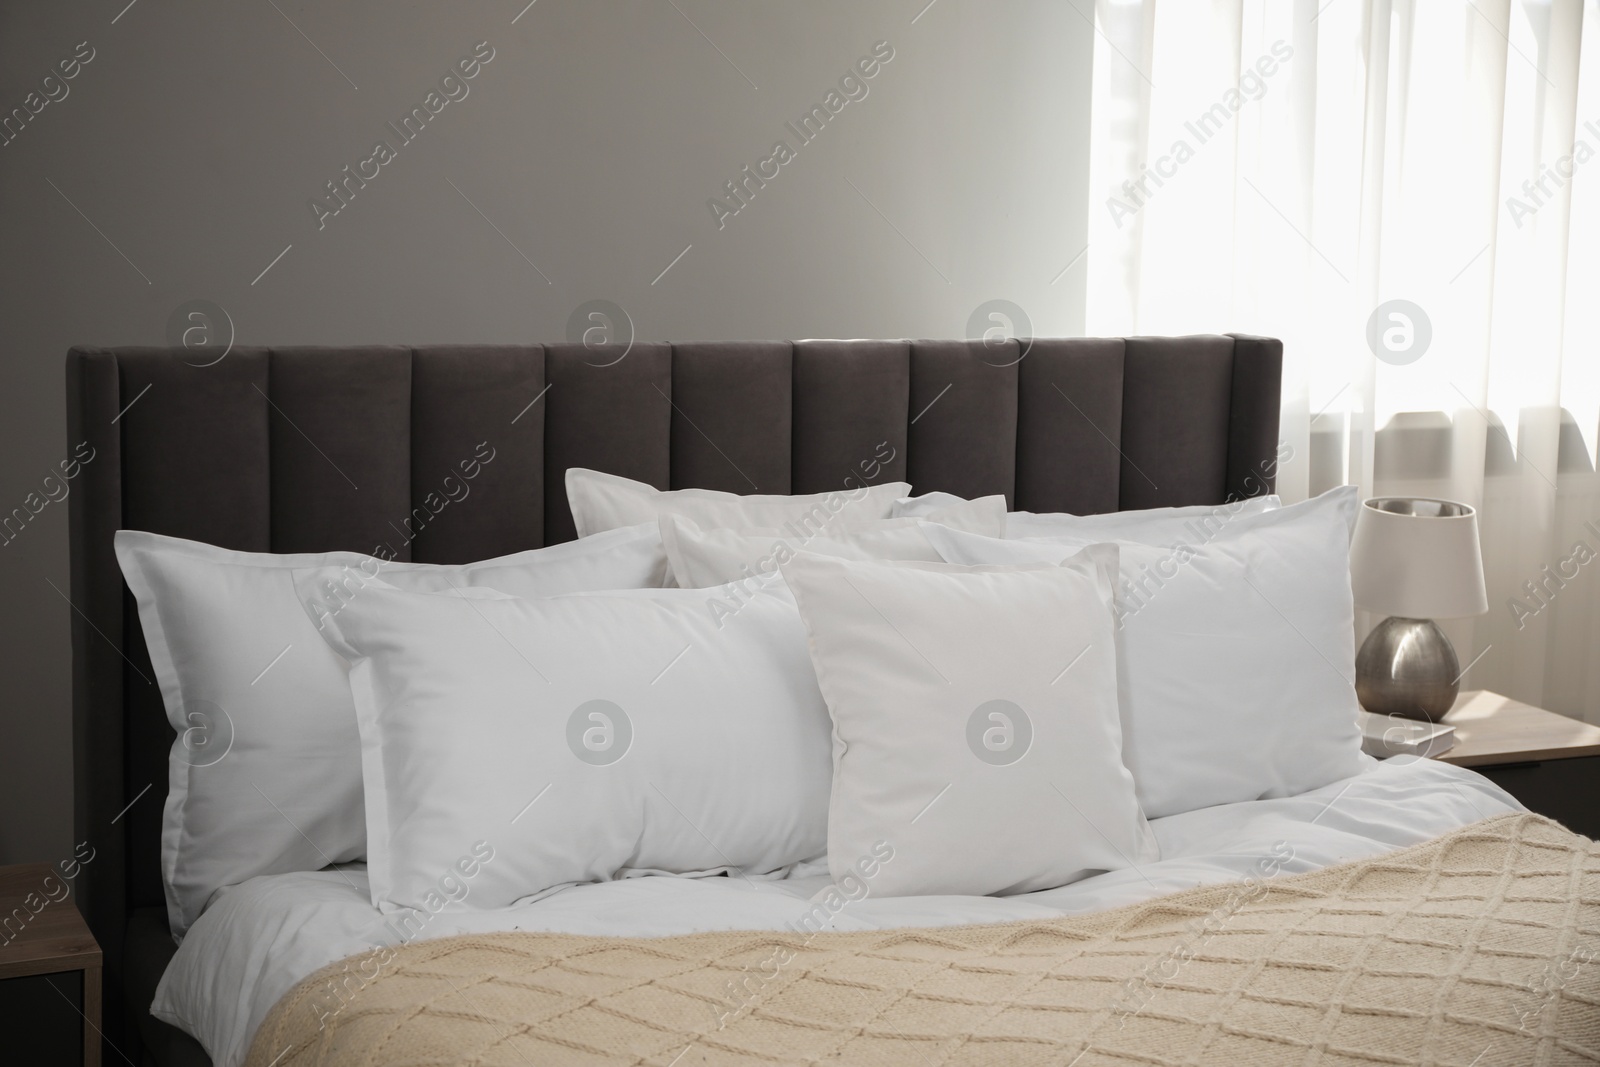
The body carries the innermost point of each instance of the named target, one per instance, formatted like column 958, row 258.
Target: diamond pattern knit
column 1481, row 948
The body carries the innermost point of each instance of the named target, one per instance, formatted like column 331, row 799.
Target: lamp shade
column 1418, row 558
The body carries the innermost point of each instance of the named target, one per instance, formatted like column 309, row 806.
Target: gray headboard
column 293, row 450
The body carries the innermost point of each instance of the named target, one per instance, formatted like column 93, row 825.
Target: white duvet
column 257, row 940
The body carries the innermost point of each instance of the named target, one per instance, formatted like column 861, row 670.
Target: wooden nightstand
column 1549, row 762
column 43, row 937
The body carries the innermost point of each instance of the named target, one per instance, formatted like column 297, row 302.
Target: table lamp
column 1415, row 560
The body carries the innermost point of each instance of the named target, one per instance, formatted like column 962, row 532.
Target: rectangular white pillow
column 580, row 738
column 605, row 501
column 264, row 776
column 703, row 557
column 1151, row 526
column 976, row 735
column 1236, row 653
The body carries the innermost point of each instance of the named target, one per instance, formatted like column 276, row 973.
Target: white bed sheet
column 257, row 940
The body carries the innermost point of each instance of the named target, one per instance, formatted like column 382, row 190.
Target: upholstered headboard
column 293, row 450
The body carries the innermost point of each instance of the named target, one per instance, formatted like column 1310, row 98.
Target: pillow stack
column 264, row 776
column 1237, row 644
column 967, row 700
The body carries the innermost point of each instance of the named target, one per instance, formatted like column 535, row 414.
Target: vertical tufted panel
column 468, row 403
column 849, row 396
column 607, row 409
column 341, row 449
column 1069, row 425
column 733, row 404
column 1253, row 416
column 1175, row 397
column 195, row 447
column 962, row 436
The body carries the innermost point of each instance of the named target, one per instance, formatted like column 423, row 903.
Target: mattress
column 256, row 941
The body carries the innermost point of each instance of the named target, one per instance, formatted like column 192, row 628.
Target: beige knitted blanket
column 1477, row 948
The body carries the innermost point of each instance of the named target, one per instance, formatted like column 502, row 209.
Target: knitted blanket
column 1476, row 948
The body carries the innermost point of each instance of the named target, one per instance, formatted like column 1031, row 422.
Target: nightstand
column 42, row 938
column 1549, row 762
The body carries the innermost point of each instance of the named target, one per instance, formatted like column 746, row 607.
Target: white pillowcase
column 701, row 558
column 606, row 501
column 1151, row 526
column 1236, row 654
column 579, row 738
column 926, row 505
column 265, row 774
column 976, row 736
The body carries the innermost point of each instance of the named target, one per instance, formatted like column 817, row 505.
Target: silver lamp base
column 1407, row 667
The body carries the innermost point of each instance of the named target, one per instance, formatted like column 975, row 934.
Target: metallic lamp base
column 1407, row 667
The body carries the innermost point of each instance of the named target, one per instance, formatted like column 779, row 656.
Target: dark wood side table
column 42, row 934
column 1549, row 762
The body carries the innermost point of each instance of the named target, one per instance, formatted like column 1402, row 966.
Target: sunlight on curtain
column 1407, row 192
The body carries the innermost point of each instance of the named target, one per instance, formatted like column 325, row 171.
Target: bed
column 308, row 450
column 259, row 940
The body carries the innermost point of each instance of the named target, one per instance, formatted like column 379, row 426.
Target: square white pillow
column 264, row 776
column 1150, row 526
column 975, row 729
column 701, row 557
column 606, row 501
column 579, row 738
column 1236, row 654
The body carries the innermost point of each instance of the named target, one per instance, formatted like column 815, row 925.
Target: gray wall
column 196, row 136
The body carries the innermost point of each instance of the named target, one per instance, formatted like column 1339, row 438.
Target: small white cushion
column 701, row 557
column 606, row 501
column 1150, row 526
column 976, row 736
column 265, row 774
column 580, row 738
column 1237, row 653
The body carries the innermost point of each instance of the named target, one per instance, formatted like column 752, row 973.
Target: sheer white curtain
column 1294, row 168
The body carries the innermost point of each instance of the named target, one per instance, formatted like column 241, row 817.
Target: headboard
column 313, row 449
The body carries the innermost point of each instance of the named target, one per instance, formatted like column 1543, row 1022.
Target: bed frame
column 314, row 449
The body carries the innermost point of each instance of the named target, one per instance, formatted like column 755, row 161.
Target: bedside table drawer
column 1567, row 790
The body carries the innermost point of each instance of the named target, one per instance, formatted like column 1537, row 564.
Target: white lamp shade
column 1418, row 558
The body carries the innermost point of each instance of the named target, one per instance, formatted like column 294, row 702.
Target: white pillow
column 579, row 738
column 1236, row 655
column 700, row 558
column 928, row 504
column 265, row 774
column 1150, row 526
column 605, row 501
column 976, row 737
